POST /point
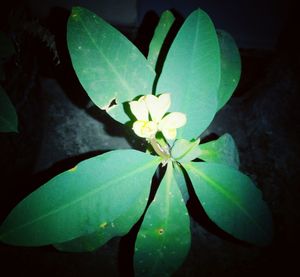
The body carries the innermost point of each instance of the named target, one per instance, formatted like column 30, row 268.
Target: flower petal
column 158, row 106
column 169, row 133
column 172, row 121
column 139, row 109
column 144, row 129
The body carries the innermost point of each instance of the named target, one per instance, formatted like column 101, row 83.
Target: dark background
column 59, row 126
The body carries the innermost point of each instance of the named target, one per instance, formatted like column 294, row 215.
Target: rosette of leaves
column 104, row 196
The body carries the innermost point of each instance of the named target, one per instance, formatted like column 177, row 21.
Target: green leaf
column 232, row 201
column 164, row 25
column 8, row 115
column 180, row 180
column 107, row 64
column 230, row 67
column 79, row 201
column 164, row 238
column 191, row 73
column 107, row 230
column 185, row 151
column 223, row 151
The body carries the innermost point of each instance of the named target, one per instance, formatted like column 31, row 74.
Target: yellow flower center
column 150, row 111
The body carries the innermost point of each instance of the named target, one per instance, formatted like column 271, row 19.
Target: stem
column 158, row 149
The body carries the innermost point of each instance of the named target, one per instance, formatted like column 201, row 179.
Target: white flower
column 149, row 111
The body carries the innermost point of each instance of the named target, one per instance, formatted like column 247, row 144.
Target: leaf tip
column 75, row 12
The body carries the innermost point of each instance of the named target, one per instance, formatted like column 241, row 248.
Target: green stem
column 159, row 150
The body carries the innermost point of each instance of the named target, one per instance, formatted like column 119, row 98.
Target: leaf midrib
column 169, row 183
column 122, row 80
column 186, row 100
column 94, row 191
column 162, row 242
column 227, row 195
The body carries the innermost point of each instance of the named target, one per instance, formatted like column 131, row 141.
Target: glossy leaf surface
column 180, row 180
column 8, row 115
column 107, row 64
column 230, row 67
column 223, row 151
column 191, row 73
column 232, row 201
column 107, row 230
column 164, row 237
column 161, row 32
column 78, row 202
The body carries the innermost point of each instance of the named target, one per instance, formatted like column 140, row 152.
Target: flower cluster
column 150, row 111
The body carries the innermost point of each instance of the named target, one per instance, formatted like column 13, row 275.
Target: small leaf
column 191, row 73
column 164, row 238
column 223, row 151
column 232, row 201
column 230, row 67
column 8, row 115
column 107, row 64
column 79, row 201
column 161, row 31
column 185, row 151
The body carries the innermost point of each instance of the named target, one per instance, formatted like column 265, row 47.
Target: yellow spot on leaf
column 75, row 15
column 160, row 231
column 103, row 225
column 73, row 169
